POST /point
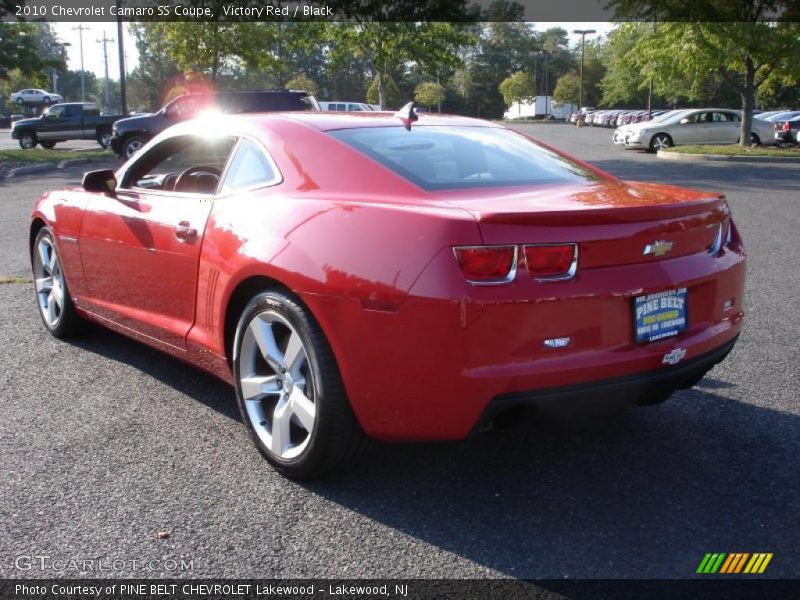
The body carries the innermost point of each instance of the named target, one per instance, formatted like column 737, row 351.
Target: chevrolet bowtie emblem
column 659, row 248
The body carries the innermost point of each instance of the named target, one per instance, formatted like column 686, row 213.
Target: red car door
column 140, row 249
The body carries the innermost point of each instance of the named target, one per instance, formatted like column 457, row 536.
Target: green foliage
column 516, row 87
column 29, row 55
column 429, row 94
column 392, row 93
column 567, row 88
column 302, row 82
column 731, row 41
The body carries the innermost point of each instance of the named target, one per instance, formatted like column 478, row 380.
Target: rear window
column 439, row 158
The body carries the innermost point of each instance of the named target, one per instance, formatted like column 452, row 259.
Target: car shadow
column 643, row 495
column 197, row 384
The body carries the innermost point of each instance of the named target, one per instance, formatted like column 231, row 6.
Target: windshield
column 439, row 157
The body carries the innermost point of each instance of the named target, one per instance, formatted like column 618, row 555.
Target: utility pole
column 105, row 41
column 123, row 98
column 81, row 29
column 583, row 33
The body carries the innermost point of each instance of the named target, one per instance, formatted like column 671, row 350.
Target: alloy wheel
column 27, row 141
column 132, row 148
column 277, row 385
column 49, row 282
column 661, row 142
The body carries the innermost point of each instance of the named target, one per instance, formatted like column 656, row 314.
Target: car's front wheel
column 132, row 145
column 52, row 295
column 20, row 101
column 104, row 138
column 660, row 141
column 289, row 389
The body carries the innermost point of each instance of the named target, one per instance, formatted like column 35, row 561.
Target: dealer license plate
column 659, row 316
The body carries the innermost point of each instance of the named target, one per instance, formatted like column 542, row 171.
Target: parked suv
column 129, row 135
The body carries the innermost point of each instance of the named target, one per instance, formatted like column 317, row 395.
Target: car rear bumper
column 601, row 397
column 428, row 368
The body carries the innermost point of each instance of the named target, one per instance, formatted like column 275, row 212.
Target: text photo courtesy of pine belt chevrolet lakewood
column 392, row 276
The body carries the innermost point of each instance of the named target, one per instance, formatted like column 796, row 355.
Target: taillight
column 786, row 126
column 551, row 261
column 487, row 265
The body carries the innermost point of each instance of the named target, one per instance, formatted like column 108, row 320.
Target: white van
column 342, row 106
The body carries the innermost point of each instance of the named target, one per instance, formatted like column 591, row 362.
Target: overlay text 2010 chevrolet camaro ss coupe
column 373, row 275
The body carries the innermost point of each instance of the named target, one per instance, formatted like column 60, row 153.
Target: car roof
column 326, row 121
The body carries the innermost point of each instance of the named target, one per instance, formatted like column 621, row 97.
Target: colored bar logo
column 733, row 563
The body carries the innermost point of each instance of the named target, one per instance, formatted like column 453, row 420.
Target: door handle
column 184, row 232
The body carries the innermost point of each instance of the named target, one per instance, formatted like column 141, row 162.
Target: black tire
column 47, row 145
column 660, row 140
column 69, row 323
column 754, row 139
column 336, row 437
column 104, row 138
column 20, row 101
column 46, row 100
column 27, row 140
column 132, row 145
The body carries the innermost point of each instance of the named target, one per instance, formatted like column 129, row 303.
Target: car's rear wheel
column 132, row 145
column 660, row 141
column 754, row 139
column 47, row 145
column 27, row 140
column 52, row 294
column 289, row 389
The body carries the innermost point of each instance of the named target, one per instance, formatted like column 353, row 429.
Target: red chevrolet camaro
column 374, row 275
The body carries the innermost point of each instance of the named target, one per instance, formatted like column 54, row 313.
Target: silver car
column 692, row 126
column 35, row 96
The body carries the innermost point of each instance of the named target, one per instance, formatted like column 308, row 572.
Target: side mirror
column 104, row 182
column 684, row 120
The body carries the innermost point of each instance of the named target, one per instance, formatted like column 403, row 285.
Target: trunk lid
column 612, row 222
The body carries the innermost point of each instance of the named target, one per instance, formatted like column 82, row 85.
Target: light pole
column 546, row 55
column 105, row 41
column 81, row 29
column 583, row 33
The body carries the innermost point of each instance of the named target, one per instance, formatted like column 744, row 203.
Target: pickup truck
column 61, row 122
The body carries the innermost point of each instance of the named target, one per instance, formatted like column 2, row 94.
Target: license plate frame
column 661, row 315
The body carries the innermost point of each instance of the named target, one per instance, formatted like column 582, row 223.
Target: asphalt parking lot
column 105, row 443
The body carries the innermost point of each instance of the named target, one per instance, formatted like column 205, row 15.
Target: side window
column 248, row 168
column 73, row 110
column 188, row 164
column 90, row 111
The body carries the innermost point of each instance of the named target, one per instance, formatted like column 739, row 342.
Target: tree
column 391, row 93
column 740, row 42
column 384, row 45
column 303, row 82
column 429, row 94
column 516, row 88
column 149, row 83
column 32, row 48
column 567, row 88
